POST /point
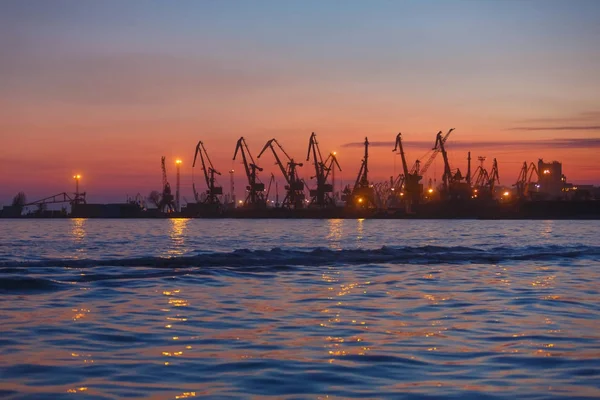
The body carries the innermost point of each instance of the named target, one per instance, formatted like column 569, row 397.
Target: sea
column 299, row 309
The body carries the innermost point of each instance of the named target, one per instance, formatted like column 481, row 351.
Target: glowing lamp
column 177, row 161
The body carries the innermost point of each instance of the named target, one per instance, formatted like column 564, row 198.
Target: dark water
column 172, row 309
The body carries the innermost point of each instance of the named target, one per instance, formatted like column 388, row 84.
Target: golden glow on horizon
column 178, row 161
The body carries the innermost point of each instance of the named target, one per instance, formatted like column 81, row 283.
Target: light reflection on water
column 334, row 236
column 177, row 235
column 78, row 233
column 510, row 327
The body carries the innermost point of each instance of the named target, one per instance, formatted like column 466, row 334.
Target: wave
column 23, row 285
column 322, row 256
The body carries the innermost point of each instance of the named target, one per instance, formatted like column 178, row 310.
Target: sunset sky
column 105, row 88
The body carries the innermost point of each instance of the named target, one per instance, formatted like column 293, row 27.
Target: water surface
column 179, row 308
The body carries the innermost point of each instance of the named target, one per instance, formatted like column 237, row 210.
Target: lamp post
column 77, row 177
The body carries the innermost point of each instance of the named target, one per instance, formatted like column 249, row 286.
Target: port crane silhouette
column 209, row 171
column 294, row 196
column 524, row 180
column 255, row 189
column 362, row 194
column 322, row 196
column 411, row 179
column 167, row 200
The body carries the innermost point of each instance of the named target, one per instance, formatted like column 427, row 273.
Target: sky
column 105, row 88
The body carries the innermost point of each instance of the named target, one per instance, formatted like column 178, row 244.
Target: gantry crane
column 255, row 188
column 485, row 182
column 411, row 180
column 294, row 197
column 363, row 193
column 209, row 171
column 322, row 196
column 482, row 177
column 524, row 180
column 167, row 200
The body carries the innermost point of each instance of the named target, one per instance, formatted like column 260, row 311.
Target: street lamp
column 77, row 178
column 77, row 199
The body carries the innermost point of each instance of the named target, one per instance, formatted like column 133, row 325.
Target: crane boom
column 268, row 145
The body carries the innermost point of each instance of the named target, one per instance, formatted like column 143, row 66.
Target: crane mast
column 255, row 189
column 323, row 195
column 294, row 197
column 362, row 194
column 209, row 171
column 362, row 180
column 167, row 200
column 411, row 179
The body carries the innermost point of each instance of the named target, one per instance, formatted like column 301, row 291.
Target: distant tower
column 177, row 203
